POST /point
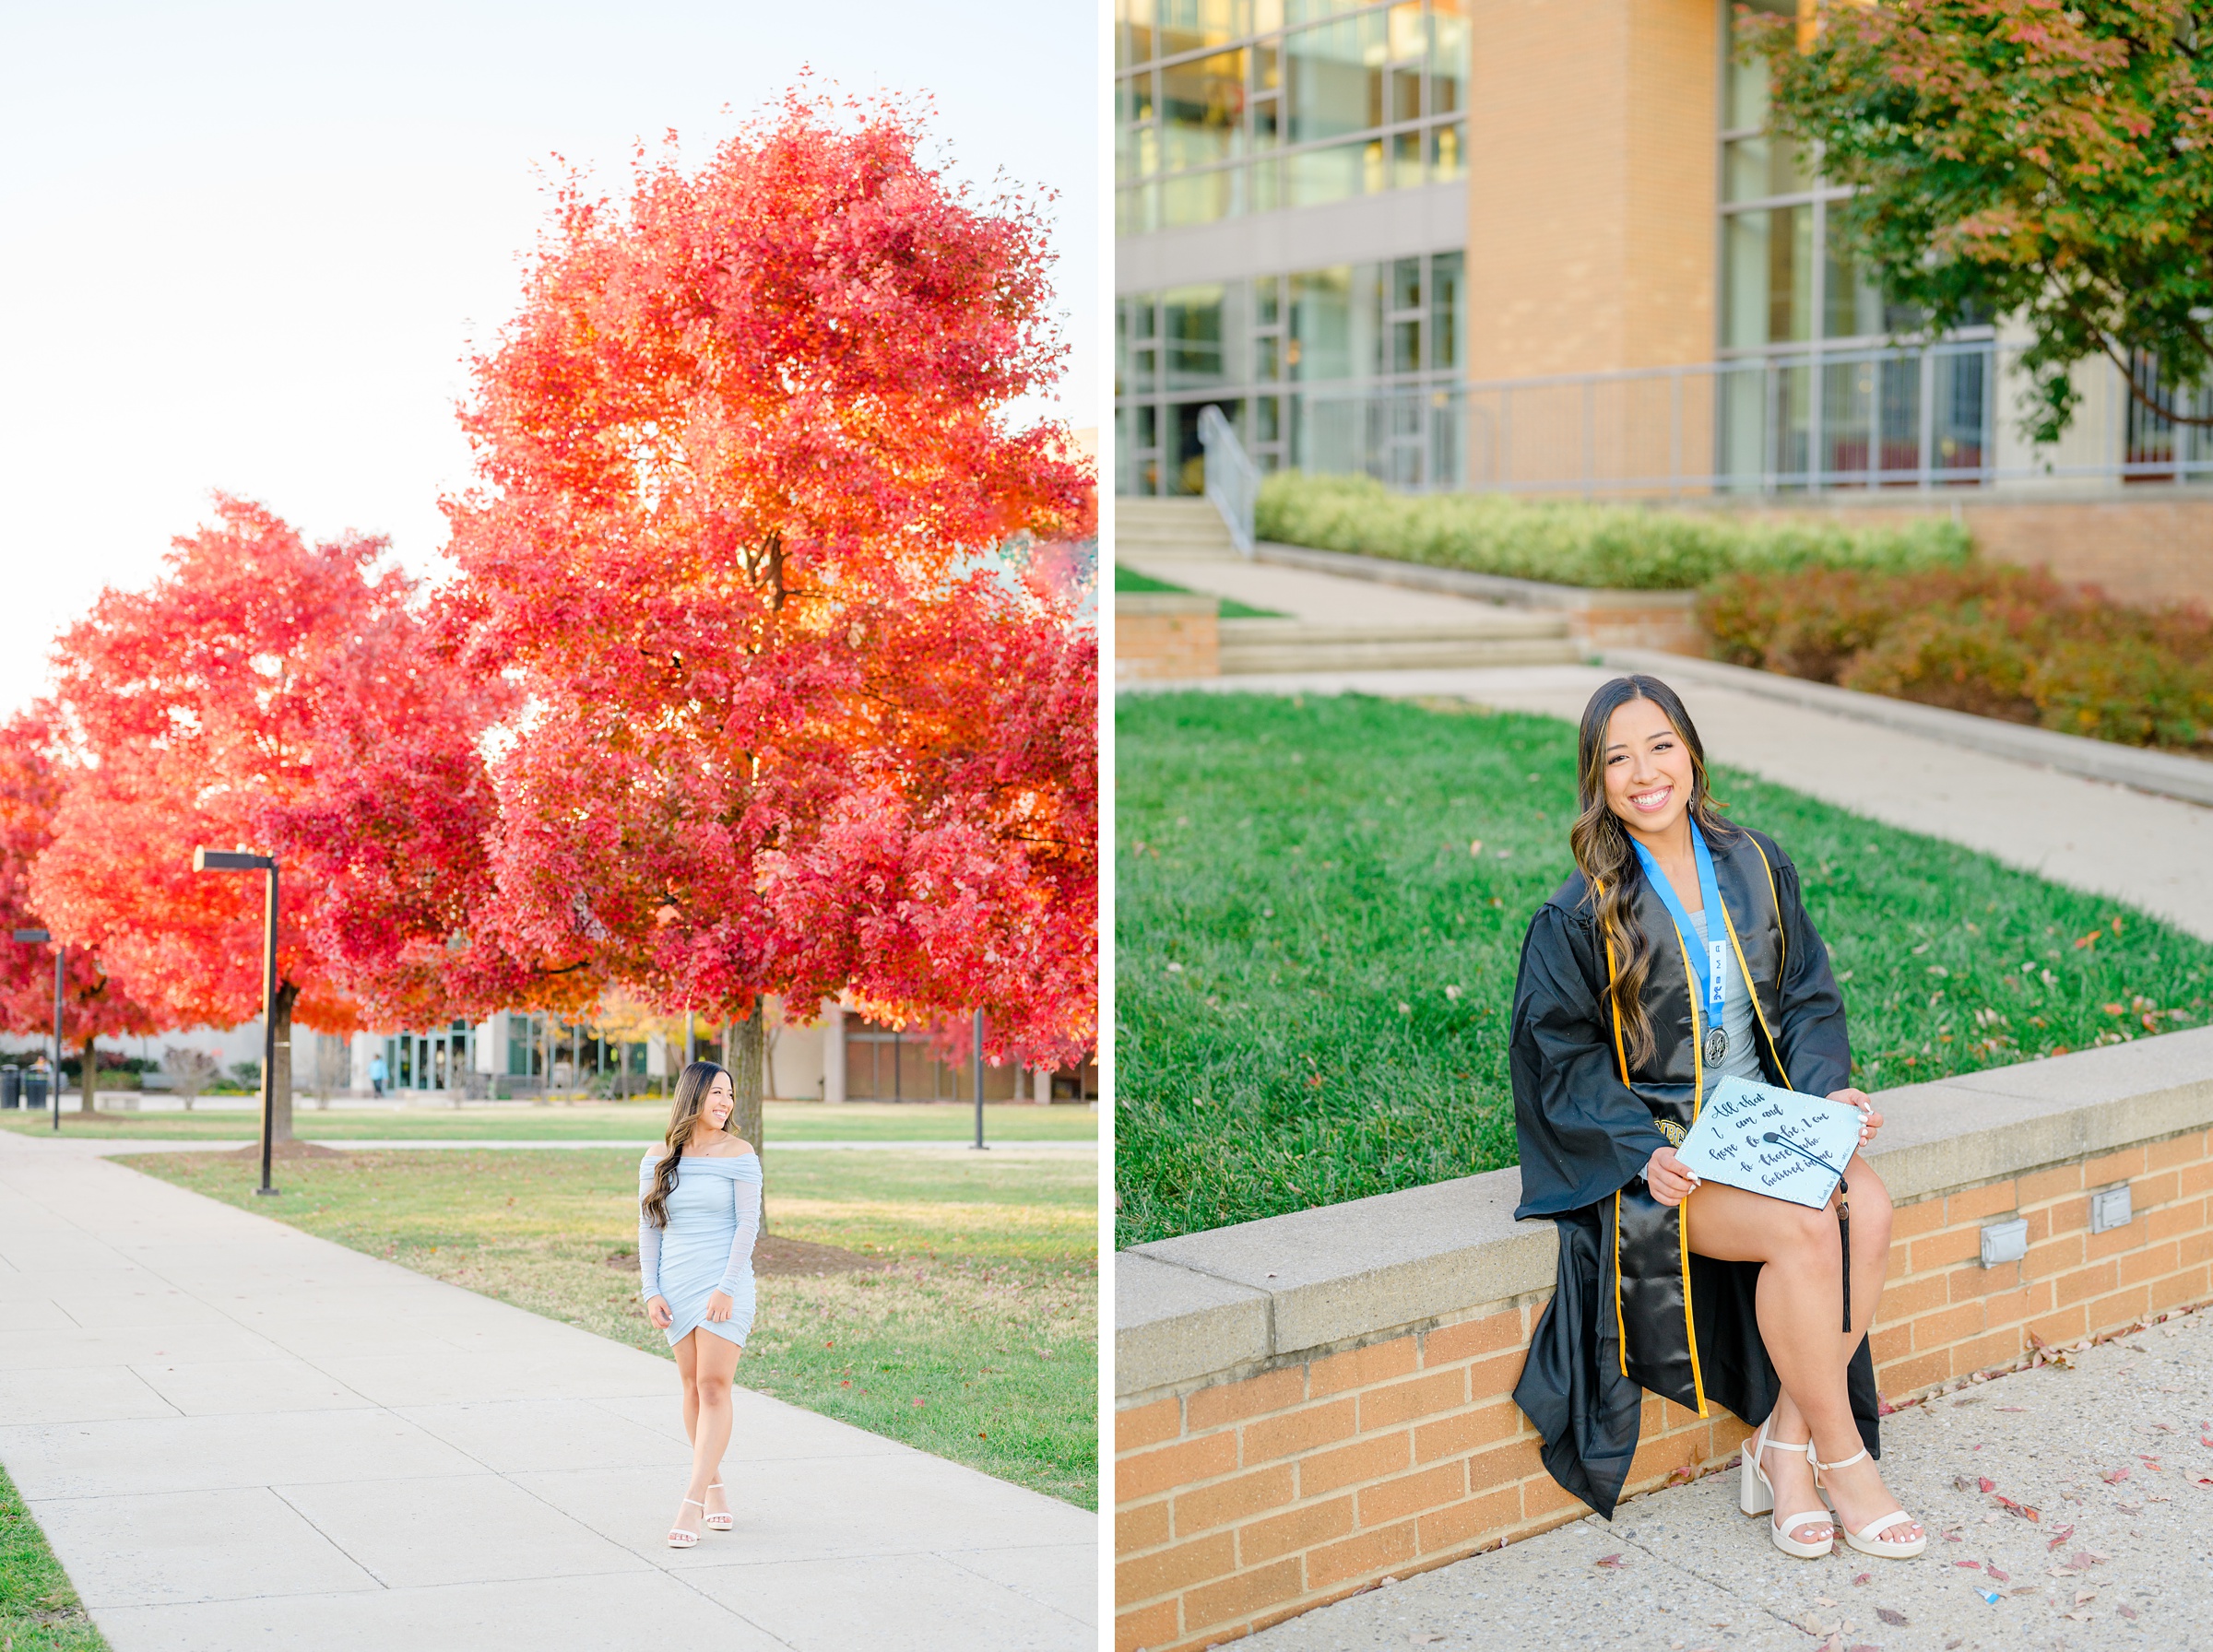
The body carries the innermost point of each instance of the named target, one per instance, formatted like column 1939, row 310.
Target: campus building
column 1544, row 246
column 838, row 1056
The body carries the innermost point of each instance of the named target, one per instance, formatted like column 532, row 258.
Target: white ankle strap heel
column 678, row 1537
column 1868, row 1539
column 1755, row 1495
column 721, row 1522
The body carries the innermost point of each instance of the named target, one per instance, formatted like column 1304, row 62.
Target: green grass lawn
column 589, row 1121
column 39, row 1611
column 1129, row 579
column 1314, row 963
column 979, row 1298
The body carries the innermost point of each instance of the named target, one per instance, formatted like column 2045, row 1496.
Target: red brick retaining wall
column 1241, row 1503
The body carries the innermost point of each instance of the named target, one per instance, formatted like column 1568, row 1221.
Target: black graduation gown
column 1633, row 1309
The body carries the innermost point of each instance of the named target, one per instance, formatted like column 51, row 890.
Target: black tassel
column 1844, row 1238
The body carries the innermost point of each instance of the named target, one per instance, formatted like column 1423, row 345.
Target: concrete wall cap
column 1239, row 1297
column 1164, row 602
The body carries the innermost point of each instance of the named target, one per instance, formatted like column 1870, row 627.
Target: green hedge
column 1571, row 543
column 1999, row 642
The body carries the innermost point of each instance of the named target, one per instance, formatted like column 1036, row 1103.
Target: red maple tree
column 93, row 1005
column 794, row 725
column 241, row 701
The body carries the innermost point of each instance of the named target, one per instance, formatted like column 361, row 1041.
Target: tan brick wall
column 1591, row 217
column 1165, row 636
column 2146, row 545
column 1248, row 1502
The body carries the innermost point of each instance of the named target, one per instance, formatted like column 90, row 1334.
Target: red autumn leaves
column 735, row 691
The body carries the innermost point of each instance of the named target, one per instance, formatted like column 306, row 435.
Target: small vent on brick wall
column 2110, row 1209
column 2005, row 1242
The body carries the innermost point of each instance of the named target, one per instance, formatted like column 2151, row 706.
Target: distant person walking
column 376, row 1074
column 699, row 1211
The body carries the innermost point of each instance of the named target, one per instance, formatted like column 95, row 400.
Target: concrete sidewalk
column 2119, row 1554
column 114, row 1146
column 2150, row 851
column 238, row 1436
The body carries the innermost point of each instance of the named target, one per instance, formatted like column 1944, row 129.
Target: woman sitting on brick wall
column 1691, row 1290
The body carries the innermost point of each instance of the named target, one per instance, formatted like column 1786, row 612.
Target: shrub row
column 1571, row 543
column 1998, row 641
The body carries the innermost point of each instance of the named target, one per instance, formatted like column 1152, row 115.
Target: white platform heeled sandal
column 678, row 1537
column 1755, row 1495
column 1868, row 1539
column 723, row 1521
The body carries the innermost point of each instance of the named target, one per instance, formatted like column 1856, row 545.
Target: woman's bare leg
column 687, row 1368
column 1800, row 1304
column 715, row 1362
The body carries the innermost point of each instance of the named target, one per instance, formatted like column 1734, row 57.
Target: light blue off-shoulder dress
column 714, row 1217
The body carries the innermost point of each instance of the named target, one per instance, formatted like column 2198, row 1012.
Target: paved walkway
column 1319, row 598
column 2147, row 850
column 2108, row 1563
column 236, row 1436
column 110, row 1146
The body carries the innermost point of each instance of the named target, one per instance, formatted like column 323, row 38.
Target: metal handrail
column 1232, row 481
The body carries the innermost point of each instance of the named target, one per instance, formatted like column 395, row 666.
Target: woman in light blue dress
column 699, row 1211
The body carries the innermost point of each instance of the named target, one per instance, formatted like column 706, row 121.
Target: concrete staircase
column 1156, row 528
column 1252, row 647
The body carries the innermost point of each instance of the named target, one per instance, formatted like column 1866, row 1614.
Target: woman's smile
column 1657, row 799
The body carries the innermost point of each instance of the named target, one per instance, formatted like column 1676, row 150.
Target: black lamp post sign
column 1768, row 1139
column 220, row 860
column 61, row 959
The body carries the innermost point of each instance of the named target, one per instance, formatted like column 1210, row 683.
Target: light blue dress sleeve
column 746, row 1190
column 649, row 1238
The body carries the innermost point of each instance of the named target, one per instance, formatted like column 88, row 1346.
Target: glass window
column 1852, row 302
column 1744, row 85
column 1133, row 38
column 1194, row 24
column 1405, row 160
column 1136, row 351
column 1447, row 57
column 1199, row 198
column 1319, row 176
column 1191, row 321
column 1326, row 82
column 1203, row 110
column 1755, row 168
column 1447, row 153
column 1321, row 324
column 1445, row 301
column 1267, row 301
column 1264, row 187
column 1767, row 275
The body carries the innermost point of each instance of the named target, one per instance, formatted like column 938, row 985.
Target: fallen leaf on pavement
column 2127, row 1611
column 1424, row 1640
column 1972, row 1565
column 1987, row 1484
column 1864, row 1577
column 1897, row 1619
column 1610, row 1560
column 2001, row 1577
column 2013, row 1408
column 2081, row 1596
column 2113, row 1477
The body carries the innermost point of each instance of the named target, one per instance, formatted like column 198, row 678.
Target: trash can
column 11, row 1085
column 34, row 1090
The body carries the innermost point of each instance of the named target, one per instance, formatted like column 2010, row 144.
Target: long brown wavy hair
column 684, row 1112
column 1603, row 848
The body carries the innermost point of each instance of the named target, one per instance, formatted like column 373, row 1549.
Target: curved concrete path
column 235, row 1434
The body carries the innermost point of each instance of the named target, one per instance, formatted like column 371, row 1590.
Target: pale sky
column 247, row 246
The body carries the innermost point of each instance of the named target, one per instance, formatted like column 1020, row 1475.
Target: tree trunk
column 88, row 1095
column 747, row 1072
column 281, row 1071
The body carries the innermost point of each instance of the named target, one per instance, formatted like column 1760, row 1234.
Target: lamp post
column 979, row 1082
column 218, row 860
column 53, row 1083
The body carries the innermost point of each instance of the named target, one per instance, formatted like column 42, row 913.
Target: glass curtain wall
column 1804, row 403
column 1228, row 107
column 1349, row 367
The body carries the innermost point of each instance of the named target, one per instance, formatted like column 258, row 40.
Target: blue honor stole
column 1708, row 961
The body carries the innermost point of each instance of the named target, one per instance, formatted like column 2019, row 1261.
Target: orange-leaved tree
column 236, row 703
column 93, row 1005
column 746, row 464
